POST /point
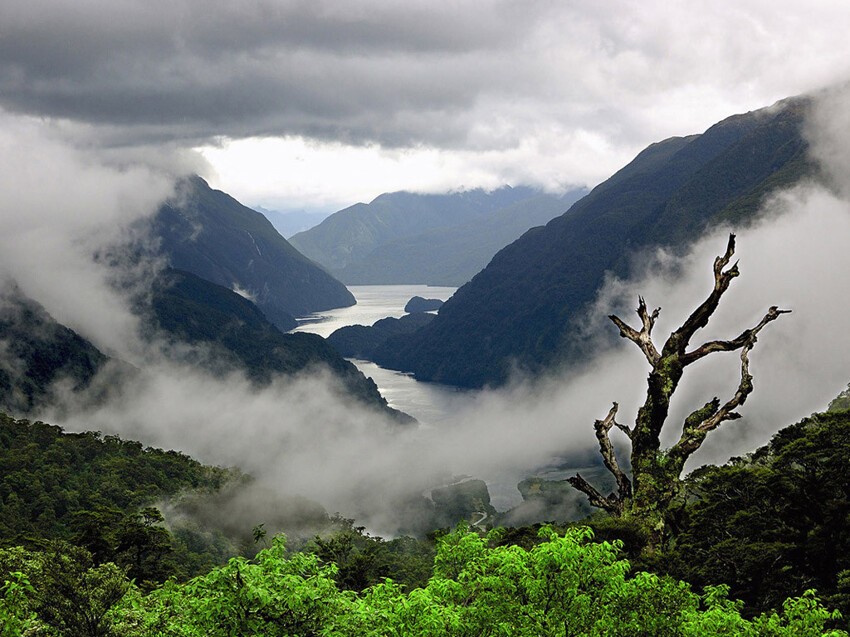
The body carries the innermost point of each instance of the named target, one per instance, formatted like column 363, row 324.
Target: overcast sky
column 315, row 104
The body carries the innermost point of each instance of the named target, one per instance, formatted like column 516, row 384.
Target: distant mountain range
column 518, row 311
column 409, row 238
column 292, row 222
column 240, row 286
column 210, row 234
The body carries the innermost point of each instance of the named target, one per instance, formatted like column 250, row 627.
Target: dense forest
column 183, row 454
column 88, row 553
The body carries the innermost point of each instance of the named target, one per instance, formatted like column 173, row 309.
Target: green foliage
column 95, row 491
column 15, row 613
column 840, row 402
column 363, row 560
column 775, row 523
column 64, row 590
column 142, row 546
column 270, row 595
column 565, row 585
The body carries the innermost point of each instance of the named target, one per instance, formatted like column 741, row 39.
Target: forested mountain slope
column 190, row 310
column 188, row 319
column 97, row 493
column 518, row 310
column 774, row 522
column 36, row 352
column 210, row 234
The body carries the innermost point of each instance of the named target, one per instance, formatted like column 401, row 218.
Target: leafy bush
column 566, row 585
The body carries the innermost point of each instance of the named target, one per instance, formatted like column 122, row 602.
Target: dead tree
column 649, row 496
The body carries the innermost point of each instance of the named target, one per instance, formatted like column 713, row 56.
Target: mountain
column 91, row 489
column 518, row 311
column 210, row 234
column 774, row 520
column 361, row 341
column 36, row 353
column 292, row 222
column 42, row 361
column 410, row 238
column 191, row 310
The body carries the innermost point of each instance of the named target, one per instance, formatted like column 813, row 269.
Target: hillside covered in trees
column 213, row 236
column 87, row 554
column 521, row 311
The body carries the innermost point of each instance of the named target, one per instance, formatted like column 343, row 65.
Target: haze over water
column 429, row 403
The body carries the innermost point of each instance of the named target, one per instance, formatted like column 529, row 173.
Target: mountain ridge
column 518, row 311
column 43, row 363
column 189, row 309
column 438, row 239
column 36, row 353
column 210, row 234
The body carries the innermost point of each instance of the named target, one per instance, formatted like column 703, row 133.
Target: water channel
column 429, row 403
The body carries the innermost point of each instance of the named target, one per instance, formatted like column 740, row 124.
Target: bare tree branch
column 710, row 417
column 746, row 337
column 643, row 338
column 668, row 367
column 679, row 339
column 691, row 438
column 652, row 494
column 596, row 499
column 745, row 388
column 609, row 457
column 626, row 430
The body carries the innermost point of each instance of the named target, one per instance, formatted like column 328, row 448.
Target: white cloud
column 794, row 259
column 60, row 205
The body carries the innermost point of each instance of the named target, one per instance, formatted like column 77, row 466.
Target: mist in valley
column 304, row 437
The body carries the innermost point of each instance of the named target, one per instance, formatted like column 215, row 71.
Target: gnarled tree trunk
column 650, row 495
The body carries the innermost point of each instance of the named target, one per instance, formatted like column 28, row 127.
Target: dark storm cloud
column 478, row 75
column 195, row 69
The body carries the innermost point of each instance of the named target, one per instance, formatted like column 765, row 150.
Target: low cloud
column 302, row 436
column 794, row 258
column 60, row 207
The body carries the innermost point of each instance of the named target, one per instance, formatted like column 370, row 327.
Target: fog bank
column 303, row 436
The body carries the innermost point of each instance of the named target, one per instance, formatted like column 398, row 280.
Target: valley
column 429, row 403
column 570, row 357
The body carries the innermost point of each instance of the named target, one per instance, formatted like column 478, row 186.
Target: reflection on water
column 374, row 302
column 429, row 403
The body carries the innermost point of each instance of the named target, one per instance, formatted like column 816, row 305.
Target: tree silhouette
column 650, row 496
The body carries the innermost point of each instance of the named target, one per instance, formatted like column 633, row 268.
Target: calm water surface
column 429, row 403
column 374, row 302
